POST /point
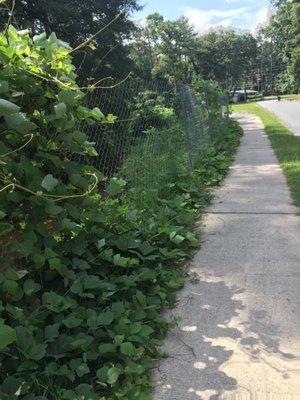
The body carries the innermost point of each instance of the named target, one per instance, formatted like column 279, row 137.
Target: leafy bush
column 149, row 111
column 84, row 272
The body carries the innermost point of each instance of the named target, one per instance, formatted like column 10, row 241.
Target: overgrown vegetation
column 85, row 271
column 285, row 144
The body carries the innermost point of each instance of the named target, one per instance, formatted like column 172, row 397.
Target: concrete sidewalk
column 239, row 334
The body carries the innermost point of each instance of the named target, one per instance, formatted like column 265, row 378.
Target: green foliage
column 284, row 34
column 173, row 51
column 165, row 49
column 74, row 21
column 225, row 56
column 85, row 272
column 150, row 111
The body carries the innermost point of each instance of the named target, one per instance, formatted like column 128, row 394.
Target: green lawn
column 285, row 144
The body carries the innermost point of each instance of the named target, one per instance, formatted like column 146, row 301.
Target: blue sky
column 203, row 14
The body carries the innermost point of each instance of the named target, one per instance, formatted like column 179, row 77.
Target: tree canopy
column 164, row 49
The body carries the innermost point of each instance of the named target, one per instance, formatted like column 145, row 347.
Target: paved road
column 239, row 334
column 287, row 111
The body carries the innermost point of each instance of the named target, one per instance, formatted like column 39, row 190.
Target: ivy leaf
column 68, row 97
column 79, row 367
column 127, row 348
column 56, row 303
column 106, row 318
column 7, row 336
column 101, row 243
column 39, row 260
column 97, row 114
column 146, row 331
column 5, row 228
column 82, row 341
column 111, row 119
column 120, row 261
column 9, row 286
column 119, row 339
column 135, row 328
column 106, row 348
column 113, row 375
column 30, row 287
column 60, row 110
column 115, row 186
column 177, row 239
column 90, row 150
column 67, row 224
column 37, row 351
column 54, row 263
column 141, row 298
column 82, row 370
column 79, row 137
column 146, row 248
column 19, row 122
column 23, row 32
column 102, row 374
column 7, row 108
column 26, row 342
column 40, row 39
column 92, row 282
column 72, row 321
column 10, row 387
column 53, row 209
column 101, row 319
column 49, row 183
column 52, row 331
column 10, row 273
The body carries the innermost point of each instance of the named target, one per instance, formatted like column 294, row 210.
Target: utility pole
column 261, row 77
column 272, row 81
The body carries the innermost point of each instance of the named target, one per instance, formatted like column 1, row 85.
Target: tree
column 225, row 56
column 74, row 21
column 283, row 33
column 165, row 49
column 296, row 51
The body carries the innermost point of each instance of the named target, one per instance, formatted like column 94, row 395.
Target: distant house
column 239, row 95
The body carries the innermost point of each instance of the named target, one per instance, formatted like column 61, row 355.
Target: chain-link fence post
column 209, row 119
column 186, row 123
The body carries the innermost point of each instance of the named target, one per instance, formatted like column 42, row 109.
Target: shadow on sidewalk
column 192, row 370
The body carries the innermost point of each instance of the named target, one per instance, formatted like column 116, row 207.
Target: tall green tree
column 296, row 51
column 165, row 49
column 225, row 56
column 283, row 32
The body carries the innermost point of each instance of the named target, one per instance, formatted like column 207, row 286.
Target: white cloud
column 263, row 15
column 240, row 17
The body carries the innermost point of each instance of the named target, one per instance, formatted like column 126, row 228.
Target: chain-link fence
column 159, row 131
